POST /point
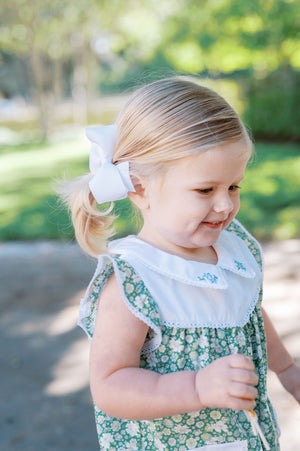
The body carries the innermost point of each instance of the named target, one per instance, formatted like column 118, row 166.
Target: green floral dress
column 184, row 339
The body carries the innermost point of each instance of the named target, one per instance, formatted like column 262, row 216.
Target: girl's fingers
column 241, row 361
column 240, row 404
column 242, row 391
column 244, row 376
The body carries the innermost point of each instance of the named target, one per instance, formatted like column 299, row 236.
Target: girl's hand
column 290, row 379
column 228, row 382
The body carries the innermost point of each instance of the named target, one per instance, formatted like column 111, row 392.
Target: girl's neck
column 202, row 254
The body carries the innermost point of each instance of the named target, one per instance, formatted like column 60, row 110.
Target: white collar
column 233, row 255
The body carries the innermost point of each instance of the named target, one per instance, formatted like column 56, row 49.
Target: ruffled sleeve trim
column 134, row 294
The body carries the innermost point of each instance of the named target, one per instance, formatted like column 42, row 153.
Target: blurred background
column 65, row 65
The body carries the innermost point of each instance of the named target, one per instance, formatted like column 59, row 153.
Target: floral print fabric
column 169, row 349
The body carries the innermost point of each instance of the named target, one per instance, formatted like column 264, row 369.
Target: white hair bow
column 110, row 181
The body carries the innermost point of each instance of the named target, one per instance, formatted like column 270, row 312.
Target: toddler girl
column 178, row 355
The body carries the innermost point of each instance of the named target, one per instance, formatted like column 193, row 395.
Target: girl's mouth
column 213, row 225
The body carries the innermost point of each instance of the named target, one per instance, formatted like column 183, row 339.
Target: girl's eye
column 205, row 190
column 234, row 188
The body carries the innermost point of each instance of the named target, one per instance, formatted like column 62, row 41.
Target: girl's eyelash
column 235, row 187
column 205, row 190
column 208, row 190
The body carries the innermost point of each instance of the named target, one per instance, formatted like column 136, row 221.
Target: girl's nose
column 223, row 204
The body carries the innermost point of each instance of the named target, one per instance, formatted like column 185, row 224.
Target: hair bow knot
column 110, row 181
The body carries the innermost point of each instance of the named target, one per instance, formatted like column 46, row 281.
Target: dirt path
column 45, row 400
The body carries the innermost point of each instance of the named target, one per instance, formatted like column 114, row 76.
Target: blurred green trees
column 30, row 210
column 76, row 49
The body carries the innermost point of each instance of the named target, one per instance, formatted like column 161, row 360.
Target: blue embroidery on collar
column 240, row 266
column 208, row 276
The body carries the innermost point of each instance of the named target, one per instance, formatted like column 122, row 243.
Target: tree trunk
column 43, row 94
column 79, row 89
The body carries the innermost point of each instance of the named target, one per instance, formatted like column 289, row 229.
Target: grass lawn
column 29, row 209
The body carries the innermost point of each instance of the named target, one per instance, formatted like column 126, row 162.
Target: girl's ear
column 140, row 196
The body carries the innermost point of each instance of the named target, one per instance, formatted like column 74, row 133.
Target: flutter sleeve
column 134, row 294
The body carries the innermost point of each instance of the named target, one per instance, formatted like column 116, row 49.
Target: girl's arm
column 280, row 361
column 121, row 389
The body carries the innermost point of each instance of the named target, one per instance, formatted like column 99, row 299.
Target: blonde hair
column 161, row 122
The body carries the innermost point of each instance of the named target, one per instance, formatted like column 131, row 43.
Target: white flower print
column 181, row 363
column 135, row 278
column 106, row 440
column 176, row 345
column 132, row 445
column 141, row 300
column 233, row 348
column 212, row 343
column 240, row 339
column 190, row 421
column 151, row 359
column 181, row 429
column 220, row 334
column 172, row 442
column 99, row 428
column 177, row 418
column 199, row 424
column 191, row 443
column 189, row 339
column 203, row 358
column 203, row 341
column 215, row 414
column 159, row 446
column 129, row 288
column 126, row 272
column 218, row 348
column 219, row 426
column 259, row 352
column 118, row 437
column 115, row 426
column 168, row 423
column 193, row 355
column 132, row 428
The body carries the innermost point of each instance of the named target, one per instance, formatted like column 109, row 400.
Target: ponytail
column 92, row 226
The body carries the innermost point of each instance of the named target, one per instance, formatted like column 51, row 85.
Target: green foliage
column 272, row 106
column 271, row 192
column 78, row 48
column 29, row 208
column 233, row 35
column 219, row 36
column 28, row 205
